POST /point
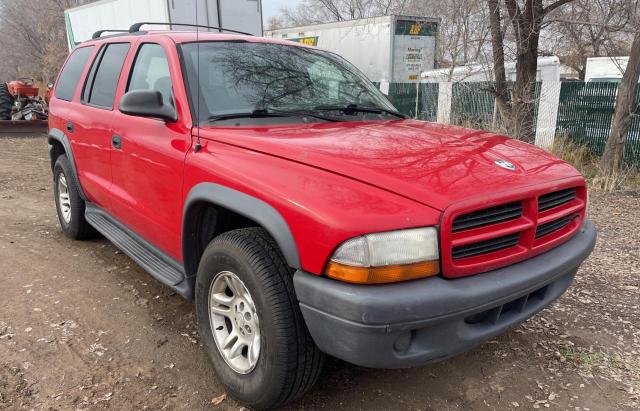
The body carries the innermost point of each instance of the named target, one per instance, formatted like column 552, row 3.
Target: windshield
column 242, row 77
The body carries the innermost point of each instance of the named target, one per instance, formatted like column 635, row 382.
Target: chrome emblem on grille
column 505, row 164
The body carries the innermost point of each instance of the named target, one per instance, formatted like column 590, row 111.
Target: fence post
column 445, row 92
column 417, row 100
column 547, row 113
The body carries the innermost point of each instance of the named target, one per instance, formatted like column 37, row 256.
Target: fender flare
column 247, row 206
column 57, row 135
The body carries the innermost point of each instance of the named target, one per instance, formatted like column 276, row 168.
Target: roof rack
column 137, row 26
column 99, row 33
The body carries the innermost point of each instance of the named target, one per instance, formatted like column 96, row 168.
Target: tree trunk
column 612, row 161
column 524, row 93
column 500, row 90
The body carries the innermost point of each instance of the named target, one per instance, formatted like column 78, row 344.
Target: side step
column 158, row 264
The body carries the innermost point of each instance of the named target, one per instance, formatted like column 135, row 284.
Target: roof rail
column 136, row 27
column 99, row 33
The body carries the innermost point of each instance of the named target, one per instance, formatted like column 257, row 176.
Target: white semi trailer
column 83, row 21
column 386, row 49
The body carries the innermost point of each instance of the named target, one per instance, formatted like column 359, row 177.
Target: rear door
column 93, row 119
column 148, row 166
column 90, row 151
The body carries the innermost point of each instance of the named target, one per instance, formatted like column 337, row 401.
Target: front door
column 148, row 166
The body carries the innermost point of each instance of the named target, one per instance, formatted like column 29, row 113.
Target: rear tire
column 69, row 204
column 6, row 102
column 288, row 363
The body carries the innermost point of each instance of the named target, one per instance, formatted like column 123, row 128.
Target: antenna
column 198, row 145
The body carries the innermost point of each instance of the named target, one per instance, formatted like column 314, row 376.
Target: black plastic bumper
column 417, row 322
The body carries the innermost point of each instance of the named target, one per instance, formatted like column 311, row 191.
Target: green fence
column 405, row 95
column 585, row 110
column 472, row 105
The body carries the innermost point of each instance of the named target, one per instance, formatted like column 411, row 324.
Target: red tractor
column 21, row 107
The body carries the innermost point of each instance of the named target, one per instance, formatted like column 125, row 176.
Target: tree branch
column 551, row 7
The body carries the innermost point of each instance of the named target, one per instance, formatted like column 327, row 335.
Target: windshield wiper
column 264, row 113
column 258, row 113
column 351, row 109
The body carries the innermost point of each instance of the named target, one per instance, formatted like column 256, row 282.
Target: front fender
column 253, row 208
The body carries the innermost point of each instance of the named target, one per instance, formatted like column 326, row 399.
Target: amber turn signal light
column 382, row 275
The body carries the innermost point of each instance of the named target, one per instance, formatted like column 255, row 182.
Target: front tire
column 244, row 283
column 69, row 204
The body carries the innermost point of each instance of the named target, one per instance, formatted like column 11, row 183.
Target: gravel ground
column 83, row 327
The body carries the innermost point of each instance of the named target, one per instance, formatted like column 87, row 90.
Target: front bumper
column 421, row 321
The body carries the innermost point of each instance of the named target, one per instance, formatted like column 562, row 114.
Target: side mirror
column 50, row 86
column 147, row 103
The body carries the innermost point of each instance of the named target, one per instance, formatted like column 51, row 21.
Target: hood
column 431, row 163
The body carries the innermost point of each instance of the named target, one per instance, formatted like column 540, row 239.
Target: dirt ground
column 83, row 327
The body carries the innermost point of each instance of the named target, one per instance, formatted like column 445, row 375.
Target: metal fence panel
column 473, row 105
column 428, row 108
column 584, row 112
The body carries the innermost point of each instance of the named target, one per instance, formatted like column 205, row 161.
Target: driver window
column 151, row 72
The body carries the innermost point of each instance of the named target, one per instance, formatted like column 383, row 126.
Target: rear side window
column 70, row 76
column 100, row 88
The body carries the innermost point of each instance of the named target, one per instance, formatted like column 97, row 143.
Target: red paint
column 330, row 181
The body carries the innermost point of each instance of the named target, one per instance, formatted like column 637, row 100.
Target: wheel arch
column 59, row 144
column 240, row 204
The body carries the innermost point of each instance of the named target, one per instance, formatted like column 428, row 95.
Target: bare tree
column 612, row 161
column 33, row 39
column 589, row 28
column 325, row 11
column 526, row 18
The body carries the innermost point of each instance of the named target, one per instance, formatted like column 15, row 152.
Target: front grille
column 555, row 225
column 484, row 247
column 548, row 201
column 490, row 236
column 487, row 216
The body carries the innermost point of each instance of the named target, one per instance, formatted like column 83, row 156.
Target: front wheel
column 250, row 323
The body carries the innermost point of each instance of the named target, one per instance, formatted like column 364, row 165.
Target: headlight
column 387, row 257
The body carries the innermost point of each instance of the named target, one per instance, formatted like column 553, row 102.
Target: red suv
column 276, row 186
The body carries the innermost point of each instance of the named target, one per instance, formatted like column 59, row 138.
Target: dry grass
column 582, row 159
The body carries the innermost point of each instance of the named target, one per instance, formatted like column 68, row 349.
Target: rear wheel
column 250, row 322
column 69, row 204
column 6, row 102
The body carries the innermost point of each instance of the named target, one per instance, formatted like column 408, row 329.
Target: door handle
column 116, row 141
column 69, row 127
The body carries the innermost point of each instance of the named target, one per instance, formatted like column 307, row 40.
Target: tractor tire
column 6, row 102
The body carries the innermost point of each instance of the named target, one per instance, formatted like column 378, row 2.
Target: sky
column 272, row 8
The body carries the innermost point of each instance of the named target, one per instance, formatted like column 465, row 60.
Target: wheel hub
column 64, row 200
column 234, row 322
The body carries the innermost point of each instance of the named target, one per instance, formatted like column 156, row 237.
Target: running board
column 155, row 262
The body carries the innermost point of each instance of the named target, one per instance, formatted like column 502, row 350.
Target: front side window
column 101, row 85
column 70, row 75
column 151, row 72
column 239, row 77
